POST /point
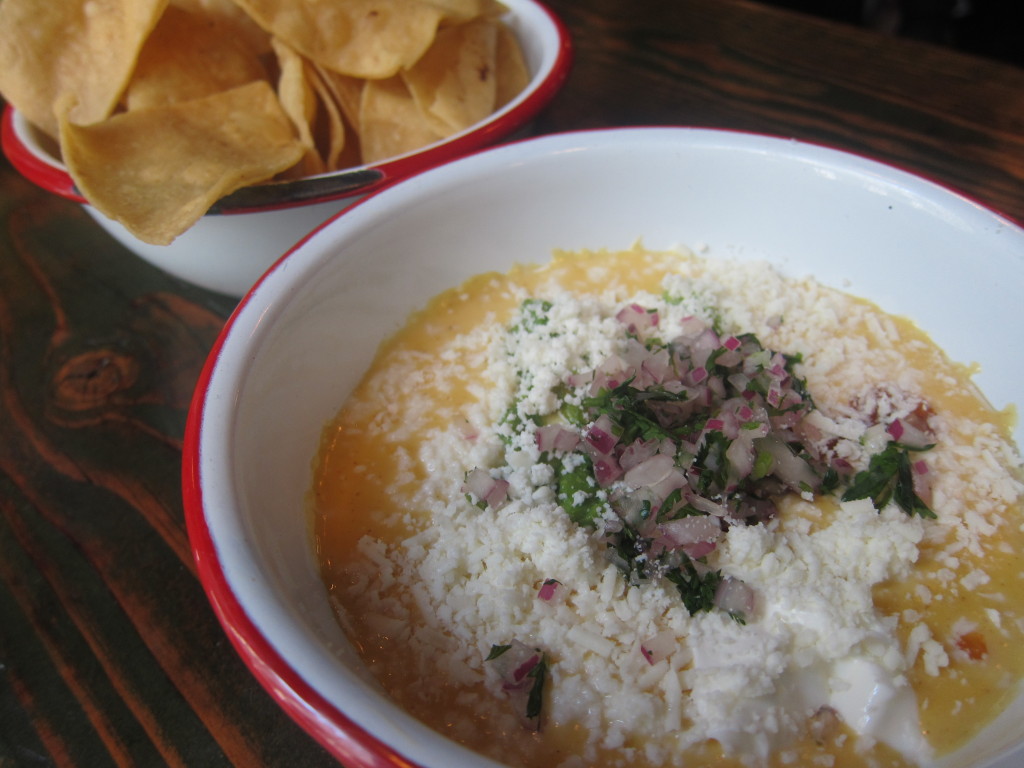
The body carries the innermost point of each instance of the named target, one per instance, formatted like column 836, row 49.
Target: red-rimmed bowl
column 230, row 247
column 301, row 339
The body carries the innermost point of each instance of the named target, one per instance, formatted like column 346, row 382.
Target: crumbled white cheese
column 469, row 579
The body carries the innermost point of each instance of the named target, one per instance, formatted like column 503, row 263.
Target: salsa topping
column 665, row 445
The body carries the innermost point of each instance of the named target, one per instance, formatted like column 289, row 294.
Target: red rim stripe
column 28, row 163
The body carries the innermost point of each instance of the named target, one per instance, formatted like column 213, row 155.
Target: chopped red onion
column 659, row 647
column 735, row 597
column 548, row 589
column 906, row 433
column 612, row 372
column 699, row 550
column 656, row 367
column 895, row 429
column 788, row 467
column 606, row 470
column 741, row 454
column 600, row 435
column 492, row 491
column 557, row 437
column 638, row 451
column 650, row 471
column 673, row 480
column 729, row 359
column 922, row 480
column 636, row 318
column 710, row 507
column 580, row 379
column 703, row 346
column 516, row 665
column 691, row 530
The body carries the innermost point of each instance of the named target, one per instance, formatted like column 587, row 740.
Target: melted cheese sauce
column 968, row 594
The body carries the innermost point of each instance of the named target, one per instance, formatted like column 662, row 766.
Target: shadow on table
column 990, row 28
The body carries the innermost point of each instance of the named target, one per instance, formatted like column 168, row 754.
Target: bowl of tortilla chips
column 209, row 136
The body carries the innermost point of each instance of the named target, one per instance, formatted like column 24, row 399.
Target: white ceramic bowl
column 228, row 251
column 302, row 338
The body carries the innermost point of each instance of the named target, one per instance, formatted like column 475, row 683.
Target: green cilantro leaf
column 889, row 477
column 696, row 591
column 577, row 483
column 535, row 700
column 496, row 651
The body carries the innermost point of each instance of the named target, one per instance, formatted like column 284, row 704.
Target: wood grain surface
column 109, row 652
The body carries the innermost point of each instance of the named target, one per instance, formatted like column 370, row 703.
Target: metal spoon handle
column 297, row 190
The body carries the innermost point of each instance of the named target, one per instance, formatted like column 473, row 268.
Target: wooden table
column 109, row 653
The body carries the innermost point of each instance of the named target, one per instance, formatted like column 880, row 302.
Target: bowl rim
column 34, row 162
column 339, row 734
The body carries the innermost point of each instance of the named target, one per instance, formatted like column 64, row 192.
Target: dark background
column 990, row 28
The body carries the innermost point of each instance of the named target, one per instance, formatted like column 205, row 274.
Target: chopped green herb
column 763, row 463
column 890, row 477
column 830, row 480
column 577, row 492
column 671, row 298
column 573, row 414
column 496, row 651
column 668, row 509
column 630, row 410
column 535, row 700
column 711, row 458
column 696, row 591
column 534, row 313
column 514, row 421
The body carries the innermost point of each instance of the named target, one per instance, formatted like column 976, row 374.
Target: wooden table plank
column 110, row 652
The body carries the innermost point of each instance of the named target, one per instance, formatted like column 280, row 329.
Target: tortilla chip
column 157, row 171
column 87, row 48
column 461, row 11
column 512, row 73
column 347, row 92
column 492, row 9
column 299, row 101
column 390, row 121
column 360, row 38
column 455, row 80
column 229, row 16
column 337, row 139
column 186, row 57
